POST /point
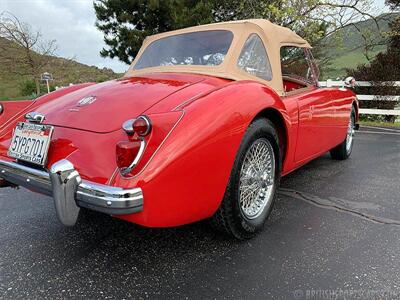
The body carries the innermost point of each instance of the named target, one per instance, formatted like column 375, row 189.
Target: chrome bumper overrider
column 70, row 192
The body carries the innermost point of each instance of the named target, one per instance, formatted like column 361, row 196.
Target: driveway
column 334, row 231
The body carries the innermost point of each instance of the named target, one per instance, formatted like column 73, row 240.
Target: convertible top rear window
column 207, row 48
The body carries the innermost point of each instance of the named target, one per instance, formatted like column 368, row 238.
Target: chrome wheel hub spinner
column 257, row 178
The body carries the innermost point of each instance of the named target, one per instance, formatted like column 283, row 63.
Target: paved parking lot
column 335, row 228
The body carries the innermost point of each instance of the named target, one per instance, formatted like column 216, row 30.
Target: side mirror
column 350, row 81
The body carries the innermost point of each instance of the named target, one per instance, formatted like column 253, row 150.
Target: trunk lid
column 104, row 107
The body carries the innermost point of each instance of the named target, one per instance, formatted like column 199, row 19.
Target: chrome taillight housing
column 141, row 126
column 128, row 154
column 144, row 135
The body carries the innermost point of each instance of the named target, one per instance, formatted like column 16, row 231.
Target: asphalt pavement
column 334, row 232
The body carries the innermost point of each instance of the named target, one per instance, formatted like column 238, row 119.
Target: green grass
column 345, row 47
column 380, row 124
column 351, row 60
column 18, row 98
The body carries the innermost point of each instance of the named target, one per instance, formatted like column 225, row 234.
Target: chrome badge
column 86, row 101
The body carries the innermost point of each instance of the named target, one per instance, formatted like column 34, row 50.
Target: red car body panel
column 198, row 124
column 116, row 102
column 12, row 109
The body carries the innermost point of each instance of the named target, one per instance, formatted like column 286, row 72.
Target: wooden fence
column 370, row 111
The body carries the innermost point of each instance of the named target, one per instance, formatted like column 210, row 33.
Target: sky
column 71, row 23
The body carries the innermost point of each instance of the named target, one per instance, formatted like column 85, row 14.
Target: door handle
column 312, row 108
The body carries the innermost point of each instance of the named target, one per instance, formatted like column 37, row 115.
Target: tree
column 313, row 19
column 393, row 4
column 29, row 51
column 385, row 67
column 125, row 23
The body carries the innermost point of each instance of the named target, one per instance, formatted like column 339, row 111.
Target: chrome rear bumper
column 70, row 192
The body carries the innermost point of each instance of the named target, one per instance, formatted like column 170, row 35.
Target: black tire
column 343, row 151
column 230, row 218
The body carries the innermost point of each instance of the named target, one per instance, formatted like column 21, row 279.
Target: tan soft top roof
column 284, row 35
column 273, row 37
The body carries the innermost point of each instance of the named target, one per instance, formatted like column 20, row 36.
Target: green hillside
column 346, row 47
column 64, row 72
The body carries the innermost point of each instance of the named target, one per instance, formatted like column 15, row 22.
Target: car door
column 314, row 119
column 342, row 100
column 315, row 109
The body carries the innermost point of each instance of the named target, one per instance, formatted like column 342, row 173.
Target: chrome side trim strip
column 63, row 180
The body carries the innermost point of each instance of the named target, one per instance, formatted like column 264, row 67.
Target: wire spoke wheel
column 257, row 178
column 250, row 193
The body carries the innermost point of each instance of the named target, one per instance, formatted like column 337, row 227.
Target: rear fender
column 186, row 179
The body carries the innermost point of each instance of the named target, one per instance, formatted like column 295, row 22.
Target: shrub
column 27, row 88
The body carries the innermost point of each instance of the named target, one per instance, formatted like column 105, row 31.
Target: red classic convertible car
column 202, row 126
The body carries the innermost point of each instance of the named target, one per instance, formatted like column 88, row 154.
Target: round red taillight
column 142, row 126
